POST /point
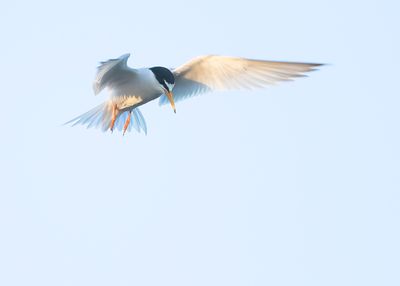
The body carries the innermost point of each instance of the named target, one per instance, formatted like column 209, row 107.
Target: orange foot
column 128, row 120
column 113, row 116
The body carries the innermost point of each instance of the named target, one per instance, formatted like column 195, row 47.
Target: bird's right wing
column 109, row 71
column 207, row 73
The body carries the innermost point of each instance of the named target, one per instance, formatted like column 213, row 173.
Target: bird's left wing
column 207, row 73
column 109, row 71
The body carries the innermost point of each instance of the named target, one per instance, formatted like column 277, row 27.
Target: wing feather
column 207, row 73
column 109, row 70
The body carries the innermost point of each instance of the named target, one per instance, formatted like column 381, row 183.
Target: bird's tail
column 100, row 117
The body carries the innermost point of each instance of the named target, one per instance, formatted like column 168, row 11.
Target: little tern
column 129, row 88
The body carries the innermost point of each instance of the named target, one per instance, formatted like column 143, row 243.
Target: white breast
column 138, row 87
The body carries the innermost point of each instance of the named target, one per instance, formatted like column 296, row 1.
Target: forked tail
column 101, row 115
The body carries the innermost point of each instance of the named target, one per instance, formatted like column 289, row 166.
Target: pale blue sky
column 294, row 185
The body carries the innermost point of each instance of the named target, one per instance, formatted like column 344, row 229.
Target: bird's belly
column 132, row 101
column 131, row 95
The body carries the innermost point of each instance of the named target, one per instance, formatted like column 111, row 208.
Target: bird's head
column 166, row 80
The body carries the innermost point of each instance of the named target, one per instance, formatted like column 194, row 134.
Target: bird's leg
column 128, row 120
column 113, row 116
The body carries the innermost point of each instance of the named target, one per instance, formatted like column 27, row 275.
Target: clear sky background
column 297, row 184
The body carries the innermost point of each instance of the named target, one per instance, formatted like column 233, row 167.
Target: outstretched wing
column 109, row 72
column 207, row 73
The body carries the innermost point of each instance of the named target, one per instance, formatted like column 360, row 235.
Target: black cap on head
column 163, row 75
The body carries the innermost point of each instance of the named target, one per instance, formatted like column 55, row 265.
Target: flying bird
column 129, row 88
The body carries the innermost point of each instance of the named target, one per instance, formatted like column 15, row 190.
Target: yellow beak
column 171, row 99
